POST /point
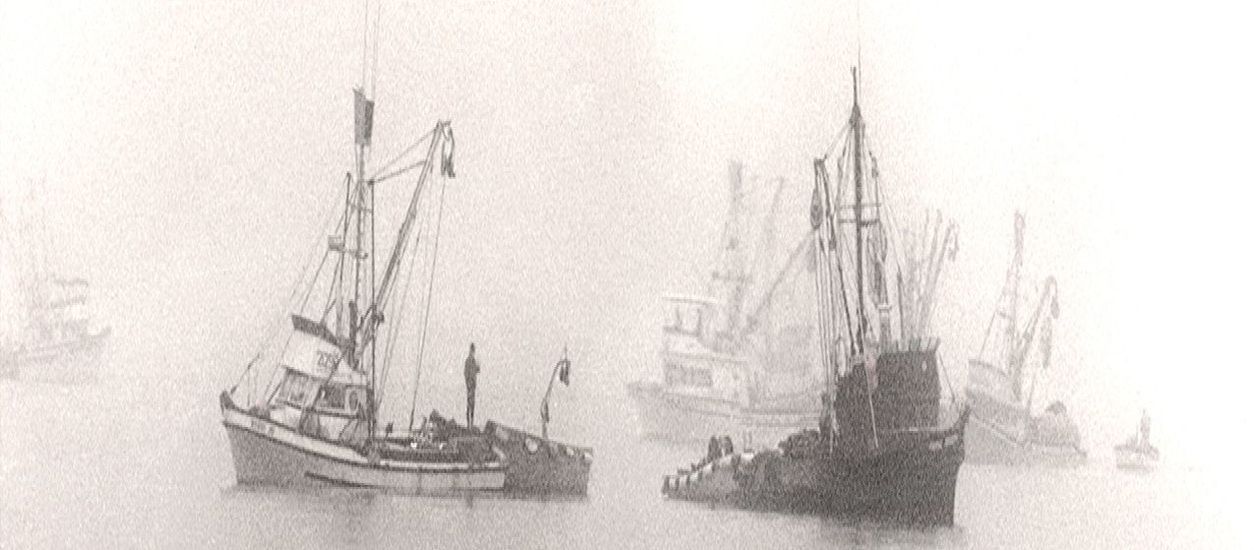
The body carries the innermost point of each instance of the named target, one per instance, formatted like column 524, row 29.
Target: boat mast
column 1012, row 326
column 364, row 109
column 731, row 276
column 857, row 129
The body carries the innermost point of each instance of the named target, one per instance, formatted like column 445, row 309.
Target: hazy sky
column 185, row 154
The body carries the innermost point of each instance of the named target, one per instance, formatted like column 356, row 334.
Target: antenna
column 857, row 75
column 375, row 48
column 362, row 81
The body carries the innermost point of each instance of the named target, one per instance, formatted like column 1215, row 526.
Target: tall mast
column 371, row 399
column 364, row 108
column 1012, row 329
column 730, row 276
column 858, row 127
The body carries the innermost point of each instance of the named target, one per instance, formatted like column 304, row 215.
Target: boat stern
column 540, row 466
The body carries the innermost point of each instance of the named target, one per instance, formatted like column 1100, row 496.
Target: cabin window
column 677, row 375
column 701, row 377
column 296, row 389
column 331, row 397
column 684, row 319
column 355, row 399
column 340, row 399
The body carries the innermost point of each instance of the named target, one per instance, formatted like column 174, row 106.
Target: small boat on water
column 1137, row 453
column 56, row 336
column 881, row 447
column 1005, row 430
column 318, row 418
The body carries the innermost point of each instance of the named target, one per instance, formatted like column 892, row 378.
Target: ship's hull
column 988, row 443
column 911, row 481
column 69, row 361
column 266, row 453
column 538, row 466
column 667, row 416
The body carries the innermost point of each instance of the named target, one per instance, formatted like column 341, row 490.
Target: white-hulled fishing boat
column 727, row 365
column 320, row 421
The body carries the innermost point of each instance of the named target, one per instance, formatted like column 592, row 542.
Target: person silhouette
column 470, row 370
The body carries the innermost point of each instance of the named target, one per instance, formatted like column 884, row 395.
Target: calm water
column 157, row 473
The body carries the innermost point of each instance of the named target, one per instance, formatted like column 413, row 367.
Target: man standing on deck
column 470, row 370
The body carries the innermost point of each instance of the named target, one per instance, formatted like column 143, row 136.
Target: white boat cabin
column 317, row 394
column 691, row 359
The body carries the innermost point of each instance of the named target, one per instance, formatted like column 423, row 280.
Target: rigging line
column 363, row 76
column 890, row 234
column 428, row 302
column 400, row 308
column 376, row 49
column 823, row 329
column 404, row 153
column 332, row 210
column 399, row 171
column 842, row 136
column 297, row 284
column 858, row 45
column 310, row 289
column 834, row 143
column 335, row 283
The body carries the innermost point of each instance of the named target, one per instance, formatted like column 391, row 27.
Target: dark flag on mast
column 363, row 109
column 564, row 365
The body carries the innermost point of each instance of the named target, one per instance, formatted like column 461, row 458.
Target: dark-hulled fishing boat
column 882, row 448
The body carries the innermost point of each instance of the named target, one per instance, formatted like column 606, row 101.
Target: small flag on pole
column 363, row 109
column 564, row 365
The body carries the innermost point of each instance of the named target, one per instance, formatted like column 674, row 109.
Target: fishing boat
column 1001, row 383
column 1137, row 453
column 56, row 336
column 881, row 446
column 726, row 365
column 320, row 421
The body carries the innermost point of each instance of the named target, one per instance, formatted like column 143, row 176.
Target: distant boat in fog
column 56, row 337
column 1001, row 383
column 1137, row 453
column 725, row 366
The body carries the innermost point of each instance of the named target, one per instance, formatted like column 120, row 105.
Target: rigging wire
column 404, row 153
column 292, row 296
column 428, row 302
column 375, row 49
column 399, row 308
column 367, row 153
column 363, row 77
